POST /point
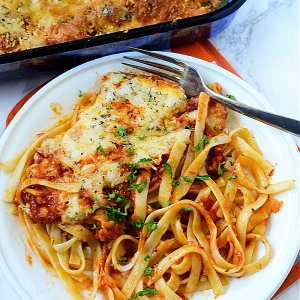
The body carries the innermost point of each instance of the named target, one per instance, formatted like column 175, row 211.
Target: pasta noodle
column 166, row 202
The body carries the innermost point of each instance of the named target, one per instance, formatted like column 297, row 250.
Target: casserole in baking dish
column 27, row 24
column 68, row 46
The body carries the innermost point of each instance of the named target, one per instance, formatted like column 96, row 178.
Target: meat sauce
column 43, row 206
column 44, row 202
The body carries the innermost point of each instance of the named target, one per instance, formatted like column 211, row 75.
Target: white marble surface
column 262, row 44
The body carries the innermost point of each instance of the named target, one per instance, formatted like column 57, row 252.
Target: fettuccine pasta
column 142, row 193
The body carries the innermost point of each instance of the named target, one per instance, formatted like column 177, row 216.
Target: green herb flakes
column 146, row 291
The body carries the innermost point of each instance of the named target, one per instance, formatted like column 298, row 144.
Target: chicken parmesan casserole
column 142, row 193
column 27, row 24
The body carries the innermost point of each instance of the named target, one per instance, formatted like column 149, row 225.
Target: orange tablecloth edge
column 292, row 277
column 19, row 105
column 205, row 50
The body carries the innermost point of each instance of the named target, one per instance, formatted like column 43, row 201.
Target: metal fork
column 191, row 81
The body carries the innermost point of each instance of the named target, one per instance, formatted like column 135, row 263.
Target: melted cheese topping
column 27, row 24
column 132, row 118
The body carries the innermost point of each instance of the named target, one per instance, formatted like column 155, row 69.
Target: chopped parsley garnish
column 187, row 209
column 175, row 183
column 202, row 177
column 94, row 208
column 188, row 126
column 146, row 257
column 122, row 261
column 149, row 207
column 232, row 177
column 168, row 203
column 167, row 167
column 137, row 224
column 146, row 291
column 138, row 186
column 132, row 165
column 131, row 151
column 142, row 160
column 152, row 225
column 121, row 131
column 116, row 197
column 203, row 141
column 148, row 271
column 132, row 176
column 142, row 186
column 101, row 150
column 191, row 180
column 94, row 226
column 80, row 93
column 221, row 170
column 115, row 214
column 230, row 97
column 142, row 137
column 188, row 179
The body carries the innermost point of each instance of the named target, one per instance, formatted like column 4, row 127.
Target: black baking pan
column 161, row 36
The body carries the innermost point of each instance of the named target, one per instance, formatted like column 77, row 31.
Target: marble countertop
column 262, row 44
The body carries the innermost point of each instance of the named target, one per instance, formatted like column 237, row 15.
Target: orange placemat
column 19, row 105
column 204, row 50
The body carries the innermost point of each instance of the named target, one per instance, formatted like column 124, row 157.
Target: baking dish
column 161, row 36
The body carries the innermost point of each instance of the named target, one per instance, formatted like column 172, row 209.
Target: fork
column 192, row 83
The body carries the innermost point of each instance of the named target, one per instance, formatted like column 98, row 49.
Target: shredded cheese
column 150, row 112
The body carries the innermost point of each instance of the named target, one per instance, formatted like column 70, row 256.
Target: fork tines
column 171, row 73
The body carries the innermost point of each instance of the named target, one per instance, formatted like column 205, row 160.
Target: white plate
column 31, row 281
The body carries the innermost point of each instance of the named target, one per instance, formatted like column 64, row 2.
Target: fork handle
column 274, row 120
